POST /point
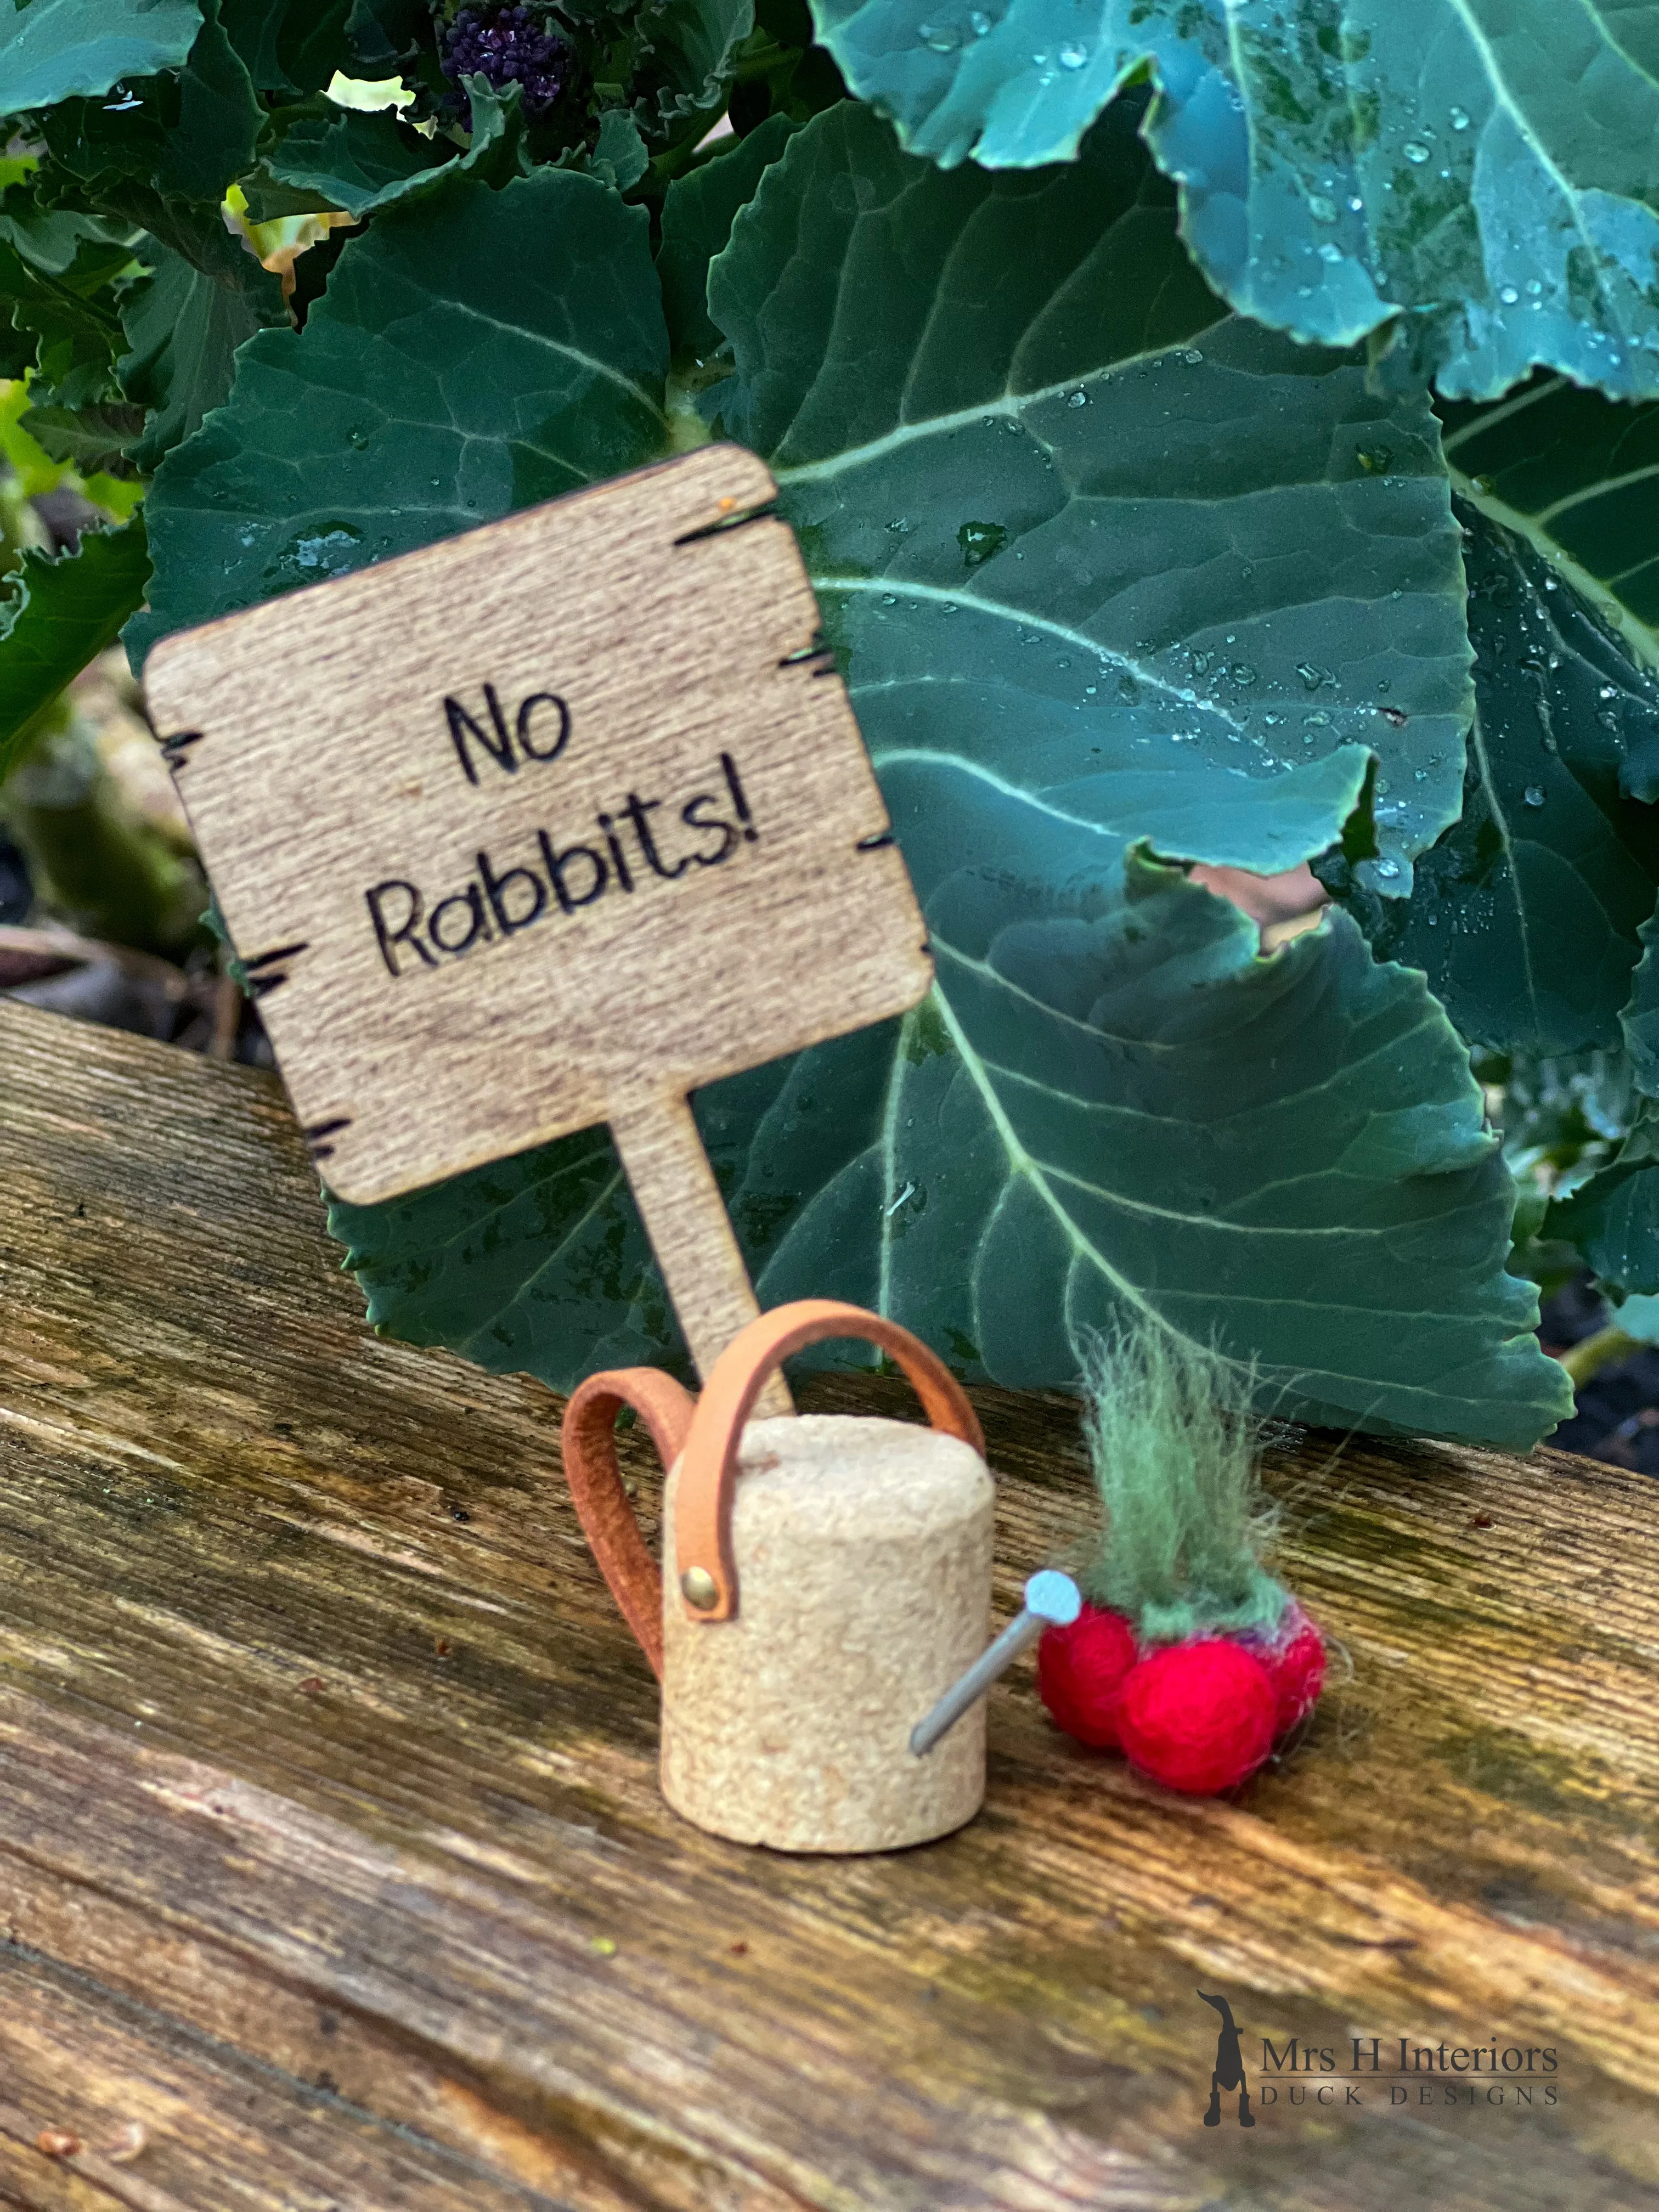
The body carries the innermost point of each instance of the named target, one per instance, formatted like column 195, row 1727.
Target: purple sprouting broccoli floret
column 506, row 45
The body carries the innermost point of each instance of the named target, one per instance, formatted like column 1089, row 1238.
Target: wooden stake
column 685, row 1217
column 556, row 818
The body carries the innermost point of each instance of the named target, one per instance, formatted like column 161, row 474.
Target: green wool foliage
column 1176, row 1451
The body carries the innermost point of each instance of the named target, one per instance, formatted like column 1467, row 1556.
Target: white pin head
column 1054, row 1597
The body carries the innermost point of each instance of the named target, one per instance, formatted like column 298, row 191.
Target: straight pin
column 1052, row 1600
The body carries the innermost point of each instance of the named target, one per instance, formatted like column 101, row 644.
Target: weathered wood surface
column 327, row 1788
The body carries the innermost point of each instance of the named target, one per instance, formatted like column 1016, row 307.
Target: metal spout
column 1052, row 1600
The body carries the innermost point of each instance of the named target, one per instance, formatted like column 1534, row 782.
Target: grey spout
column 1052, row 1600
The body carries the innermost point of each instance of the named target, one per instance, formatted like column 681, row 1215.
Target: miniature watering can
column 829, row 1582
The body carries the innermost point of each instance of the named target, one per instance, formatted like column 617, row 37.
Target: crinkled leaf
column 182, row 137
column 61, row 242
column 1612, row 1219
column 90, row 438
column 342, row 159
column 476, row 352
column 18, row 348
column 1641, row 1016
column 1525, row 916
column 60, row 275
column 66, row 319
column 1485, row 172
column 1575, row 475
column 1091, row 1118
column 697, row 216
column 386, row 34
column 182, row 327
column 290, row 46
column 694, row 44
column 62, row 612
column 51, row 50
column 619, row 157
column 1074, row 526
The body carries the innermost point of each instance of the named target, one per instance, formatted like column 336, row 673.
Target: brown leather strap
column 589, row 1441
column 708, row 1470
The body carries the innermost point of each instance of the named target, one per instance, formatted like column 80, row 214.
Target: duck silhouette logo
column 1229, row 2073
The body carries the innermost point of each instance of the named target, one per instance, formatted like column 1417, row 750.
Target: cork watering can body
column 826, row 1578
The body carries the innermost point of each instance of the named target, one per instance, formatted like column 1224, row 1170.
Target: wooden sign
column 543, row 826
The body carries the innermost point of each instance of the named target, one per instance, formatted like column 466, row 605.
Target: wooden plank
column 323, row 1754
column 158, row 2118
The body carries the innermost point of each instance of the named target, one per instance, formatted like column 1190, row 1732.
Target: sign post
column 545, row 825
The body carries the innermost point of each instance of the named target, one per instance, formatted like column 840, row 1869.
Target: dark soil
column 16, row 896
column 1618, row 1415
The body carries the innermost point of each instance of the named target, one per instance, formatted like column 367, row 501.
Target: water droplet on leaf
column 1533, row 794
column 979, row 541
column 1416, row 153
column 312, row 556
column 1073, row 57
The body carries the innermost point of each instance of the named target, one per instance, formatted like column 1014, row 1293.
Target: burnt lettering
column 694, row 819
column 472, row 900
column 496, row 902
column 636, row 812
column 550, row 740
column 404, row 934
column 618, row 859
column 463, row 726
column 558, row 862
column 730, row 768
column 495, row 889
column 541, row 728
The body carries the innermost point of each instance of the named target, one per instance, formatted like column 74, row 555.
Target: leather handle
column 708, row 1470
column 588, row 1437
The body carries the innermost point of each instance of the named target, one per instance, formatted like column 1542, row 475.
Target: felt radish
column 1188, row 1656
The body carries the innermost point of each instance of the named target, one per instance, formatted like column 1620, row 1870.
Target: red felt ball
column 1198, row 1716
column 1079, row 1671
column 1297, row 1670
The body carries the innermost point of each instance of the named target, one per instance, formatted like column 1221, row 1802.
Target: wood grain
column 332, row 1851
column 691, row 1234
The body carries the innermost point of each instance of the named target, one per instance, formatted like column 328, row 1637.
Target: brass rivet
column 697, row 1588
